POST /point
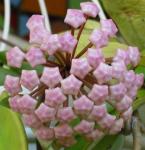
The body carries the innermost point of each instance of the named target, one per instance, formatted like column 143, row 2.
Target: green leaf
column 140, row 69
column 4, row 72
column 4, row 96
column 12, row 135
column 129, row 15
column 140, row 99
column 118, row 143
column 106, row 143
column 3, row 57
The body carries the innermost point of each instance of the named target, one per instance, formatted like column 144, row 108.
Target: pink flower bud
column 87, row 8
column 32, row 121
column 127, row 114
column 75, row 18
column 134, row 55
column 29, row 79
column 54, row 97
column 103, row 73
column 37, row 35
column 80, row 67
column 45, row 113
column 71, row 85
column 68, row 42
column 99, row 38
column 132, row 92
column 98, row 112
column 98, row 93
column 83, row 105
column 124, row 104
column 27, row 104
column 35, row 57
column 15, row 57
column 51, row 76
column 45, row 133
column 14, row 103
column 109, row 27
column 95, row 57
column 12, row 85
column 129, row 78
column 63, row 131
column 139, row 80
column 94, row 135
column 122, row 55
column 51, row 44
column 84, row 127
column 118, row 91
column 107, row 121
column 35, row 21
column 118, row 70
column 66, row 114
column 117, row 126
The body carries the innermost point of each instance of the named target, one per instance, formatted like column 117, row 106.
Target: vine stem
column 136, row 134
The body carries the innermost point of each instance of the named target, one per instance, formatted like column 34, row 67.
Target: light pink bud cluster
column 72, row 89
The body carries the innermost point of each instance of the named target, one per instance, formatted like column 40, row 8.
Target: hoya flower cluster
column 73, row 88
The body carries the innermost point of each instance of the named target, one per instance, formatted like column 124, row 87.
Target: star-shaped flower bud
column 99, row 38
column 14, row 103
column 84, row 127
column 51, row 44
column 109, row 27
column 51, row 76
column 107, row 121
column 15, row 57
column 75, row 18
column 117, row 126
column 118, row 70
column 95, row 57
column 98, row 94
column 98, row 112
column 139, row 80
column 35, row 21
column 103, row 73
column 54, row 97
column 129, row 78
column 68, row 42
column 83, row 106
column 35, row 57
column 29, row 79
column 37, row 35
column 95, row 134
column 124, row 104
column 87, row 8
column 122, row 55
column 45, row 113
column 63, row 131
column 71, row 85
column 31, row 120
column 127, row 114
column 80, row 67
column 27, row 104
column 45, row 133
column 118, row 91
column 66, row 114
column 134, row 55
column 12, row 85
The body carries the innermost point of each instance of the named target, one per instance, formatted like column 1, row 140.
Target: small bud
column 51, row 76
column 71, row 85
column 75, row 18
column 139, row 80
column 45, row 113
column 14, row 103
column 127, row 114
column 80, row 67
